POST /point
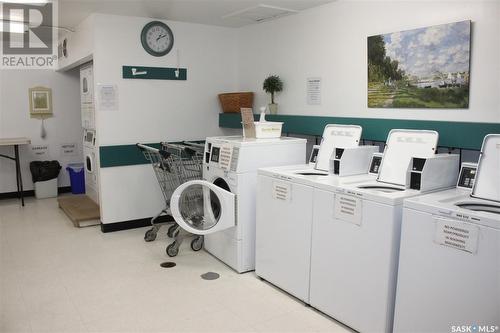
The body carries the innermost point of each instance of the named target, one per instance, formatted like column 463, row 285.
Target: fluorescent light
column 15, row 27
column 25, row 1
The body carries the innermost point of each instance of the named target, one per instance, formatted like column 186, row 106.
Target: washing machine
column 222, row 205
column 285, row 208
column 356, row 231
column 449, row 263
column 90, row 155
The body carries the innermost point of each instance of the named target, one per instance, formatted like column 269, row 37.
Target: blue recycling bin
column 77, row 177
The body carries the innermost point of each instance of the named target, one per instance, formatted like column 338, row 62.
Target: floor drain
column 168, row 264
column 210, row 276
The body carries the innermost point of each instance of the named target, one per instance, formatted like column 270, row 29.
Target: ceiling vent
column 260, row 13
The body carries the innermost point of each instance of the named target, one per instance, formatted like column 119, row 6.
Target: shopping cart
column 173, row 164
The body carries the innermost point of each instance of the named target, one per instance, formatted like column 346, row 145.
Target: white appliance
column 285, row 208
column 222, row 206
column 449, row 263
column 356, row 231
column 87, row 96
column 90, row 164
column 90, row 148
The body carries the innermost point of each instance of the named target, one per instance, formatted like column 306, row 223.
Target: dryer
column 90, row 155
column 285, row 208
column 356, row 231
column 87, row 96
column 449, row 262
column 222, row 205
column 90, row 147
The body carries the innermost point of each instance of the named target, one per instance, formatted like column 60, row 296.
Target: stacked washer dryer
column 356, row 231
column 222, row 205
column 90, row 150
column 285, row 207
column 449, row 264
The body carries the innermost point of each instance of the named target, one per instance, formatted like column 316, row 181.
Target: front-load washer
column 449, row 263
column 285, row 210
column 222, row 205
column 356, row 231
column 91, row 165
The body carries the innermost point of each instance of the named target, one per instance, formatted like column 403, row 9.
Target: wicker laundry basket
column 233, row 102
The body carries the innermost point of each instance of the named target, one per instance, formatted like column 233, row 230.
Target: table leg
column 19, row 176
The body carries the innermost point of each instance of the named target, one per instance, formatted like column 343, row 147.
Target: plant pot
column 273, row 108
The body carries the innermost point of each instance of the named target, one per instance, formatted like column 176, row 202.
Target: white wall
column 80, row 45
column 156, row 110
column 330, row 42
column 15, row 121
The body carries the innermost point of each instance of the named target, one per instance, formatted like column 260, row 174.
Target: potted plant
column 272, row 85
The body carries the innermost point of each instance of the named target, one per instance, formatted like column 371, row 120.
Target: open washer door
column 202, row 208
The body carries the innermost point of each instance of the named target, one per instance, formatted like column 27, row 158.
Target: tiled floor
column 57, row 278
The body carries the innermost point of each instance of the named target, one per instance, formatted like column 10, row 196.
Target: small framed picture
column 40, row 101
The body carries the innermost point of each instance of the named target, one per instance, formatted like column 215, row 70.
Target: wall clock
column 157, row 38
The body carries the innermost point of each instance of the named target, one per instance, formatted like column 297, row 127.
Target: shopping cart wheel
column 197, row 243
column 173, row 231
column 172, row 250
column 150, row 235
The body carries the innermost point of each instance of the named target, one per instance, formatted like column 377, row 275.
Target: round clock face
column 157, row 38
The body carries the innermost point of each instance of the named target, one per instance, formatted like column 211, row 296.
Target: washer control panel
column 467, row 175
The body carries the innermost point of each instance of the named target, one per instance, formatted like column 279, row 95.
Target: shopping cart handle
column 164, row 153
column 146, row 148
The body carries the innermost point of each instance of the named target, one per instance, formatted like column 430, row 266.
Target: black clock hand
column 161, row 36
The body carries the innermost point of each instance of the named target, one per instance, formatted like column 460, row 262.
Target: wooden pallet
column 82, row 210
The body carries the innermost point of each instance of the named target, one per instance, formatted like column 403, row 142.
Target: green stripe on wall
column 123, row 155
column 451, row 134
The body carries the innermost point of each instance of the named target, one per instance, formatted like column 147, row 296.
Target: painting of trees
column 420, row 68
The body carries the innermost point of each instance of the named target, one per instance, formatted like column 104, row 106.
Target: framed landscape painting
column 420, row 68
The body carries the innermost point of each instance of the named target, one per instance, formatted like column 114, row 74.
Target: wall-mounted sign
column 314, row 91
column 68, row 149
column 40, row 152
column 107, row 97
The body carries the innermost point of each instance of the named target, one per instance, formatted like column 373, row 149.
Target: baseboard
column 133, row 224
column 31, row 193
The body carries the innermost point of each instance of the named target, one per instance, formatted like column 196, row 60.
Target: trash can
column 44, row 175
column 77, row 177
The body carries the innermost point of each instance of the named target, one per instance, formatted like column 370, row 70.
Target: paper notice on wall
column 314, row 91
column 282, row 191
column 457, row 235
column 107, row 97
column 68, row 150
column 40, row 152
column 348, row 209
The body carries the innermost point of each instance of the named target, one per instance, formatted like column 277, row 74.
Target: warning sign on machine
column 458, row 235
column 348, row 208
